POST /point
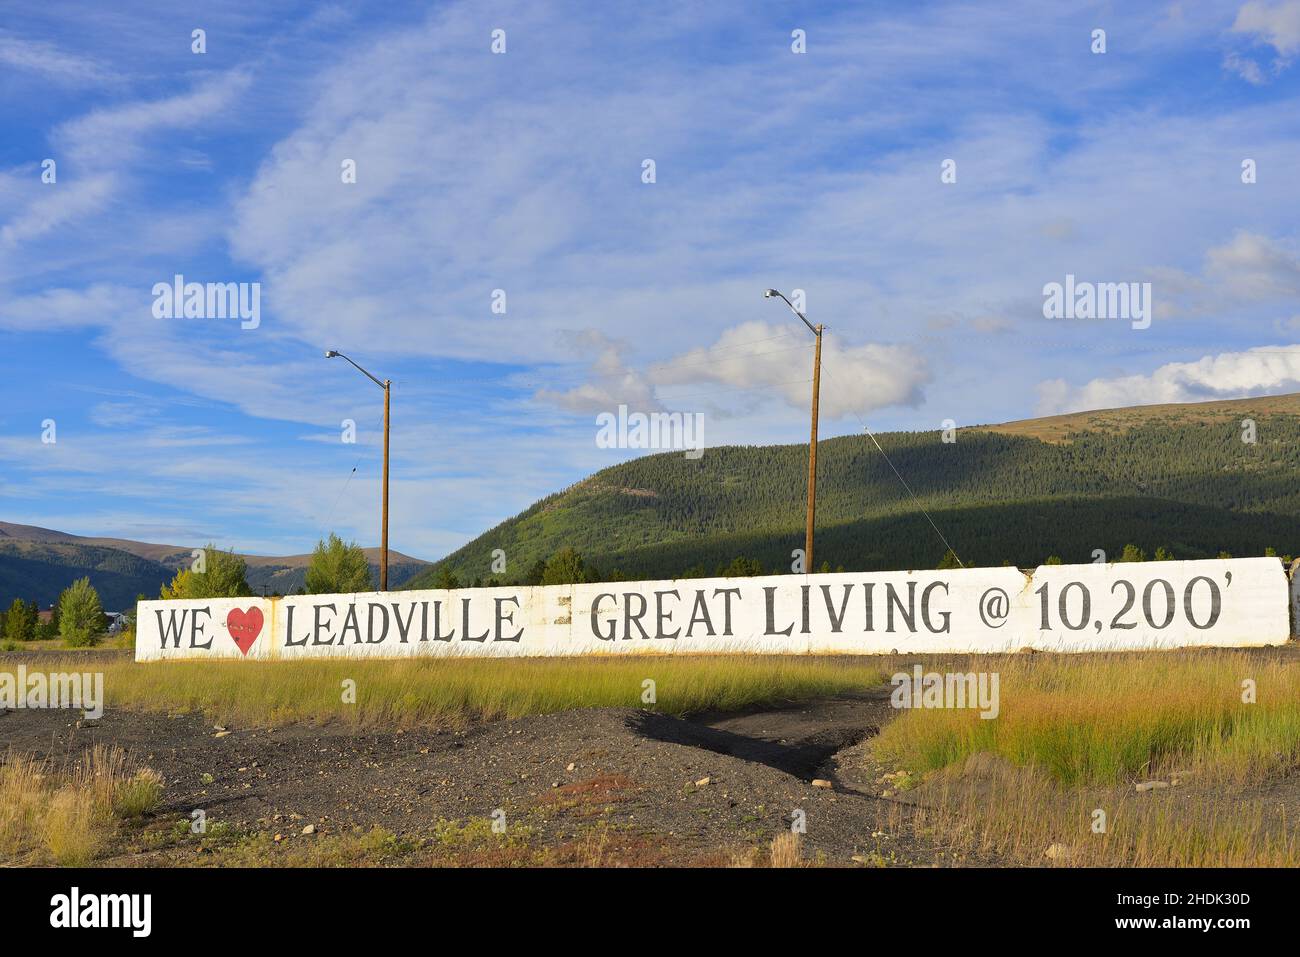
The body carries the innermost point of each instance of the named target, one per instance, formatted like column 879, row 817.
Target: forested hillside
column 36, row 564
column 39, row 571
column 1188, row 484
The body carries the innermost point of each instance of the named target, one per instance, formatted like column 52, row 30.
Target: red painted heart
column 244, row 627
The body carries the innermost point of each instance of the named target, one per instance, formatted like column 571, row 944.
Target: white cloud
column 1276, row 23
column 57, row 204
column 112, row 135
column 1246, row 68
column 47, row 60
column 522, row 172
column 1231, row 375
column 1255, row 266
column 856, row 379
column 611, row 383
column 52, row 309
column 754, row 362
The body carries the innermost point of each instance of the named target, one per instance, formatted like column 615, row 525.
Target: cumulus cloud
column 610, row 382
column 1274, row 24
column 856, row 379
column 1277, row 24
column 1263, row 370
column 751, row 362
column 1250, row 268
column 1255, row 266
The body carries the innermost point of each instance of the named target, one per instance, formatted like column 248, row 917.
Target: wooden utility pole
column 812, row 443
column 383, row 548
column 387, row 386
column 812, row 457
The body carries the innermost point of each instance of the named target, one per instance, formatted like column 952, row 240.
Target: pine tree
column 81, row 616
column 20, row 621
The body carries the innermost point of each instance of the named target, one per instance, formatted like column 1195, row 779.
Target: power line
column 329, row 517
column 903, row 481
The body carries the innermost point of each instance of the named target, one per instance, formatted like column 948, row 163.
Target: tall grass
column 68, row 816
column 1073, row 734
column 452, row 692
column 1109, row 718
column 996, row 812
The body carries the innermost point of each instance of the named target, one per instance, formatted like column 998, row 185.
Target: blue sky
column 522, row 171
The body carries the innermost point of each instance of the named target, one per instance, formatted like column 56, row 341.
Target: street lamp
column 812, row 444
column 383, row 548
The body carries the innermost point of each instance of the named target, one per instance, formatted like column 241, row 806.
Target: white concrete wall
column 1233, row 602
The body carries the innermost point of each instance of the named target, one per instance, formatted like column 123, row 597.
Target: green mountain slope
column 1176, row 476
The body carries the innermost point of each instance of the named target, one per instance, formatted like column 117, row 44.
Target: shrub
column 566, row 567
column 139, row 795
column 948, row 561
column 218, row 575
column 81, row 617
column 741, row 567
column 338, row 567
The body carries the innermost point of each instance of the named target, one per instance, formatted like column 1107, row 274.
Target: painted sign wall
column 1150, row 605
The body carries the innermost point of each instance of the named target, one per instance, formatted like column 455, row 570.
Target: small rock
column 571, row 766
column 703, row 782
column 822, row 783
column 309, row 829
column 1152, row 785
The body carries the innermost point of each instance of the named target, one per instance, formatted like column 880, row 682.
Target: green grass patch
column 453, row 692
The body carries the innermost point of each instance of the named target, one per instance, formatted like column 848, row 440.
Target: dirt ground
column 605, row 786
column 612, row 786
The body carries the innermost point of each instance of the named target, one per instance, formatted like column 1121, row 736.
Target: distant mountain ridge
column 1176, row 475
column 38, row 563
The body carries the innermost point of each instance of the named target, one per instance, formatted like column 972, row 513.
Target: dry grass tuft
column 69, row 817
column 786, row 851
